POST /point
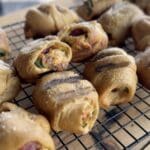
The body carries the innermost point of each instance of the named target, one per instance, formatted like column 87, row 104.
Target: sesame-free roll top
column 41, row 56
column 9, row 82
column 85, row 39
column 4, row 45
column 48, row 19
column 113, row 73
column 117, row 21
column 92, row 9
column 69, row 102
column 21, row 130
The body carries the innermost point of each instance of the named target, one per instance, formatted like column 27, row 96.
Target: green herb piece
column 84, row 124
column 2, row 53
column 39, row 63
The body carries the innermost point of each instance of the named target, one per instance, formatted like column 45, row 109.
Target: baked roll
column 141, row 33
column 21, row 130
column 9, row 83
column 69, row 102
column 4, row 45
column 85, row 39
column 41, row 56
column 93, row 8
column 113, row 73
column 143, row 68
column 117, row 21
column 48, row 19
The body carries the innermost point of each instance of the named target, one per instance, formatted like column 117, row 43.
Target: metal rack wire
column 123, row 127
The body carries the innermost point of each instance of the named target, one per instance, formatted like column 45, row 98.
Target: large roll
column 69, row 102
column 113, row 73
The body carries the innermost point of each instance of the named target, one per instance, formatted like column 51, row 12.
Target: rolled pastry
column 141, row 33
column 117, row 21
column 4, row 45
column 143, row 67
column 9, row 82
column 41, row 56
column 93, row 8
column 85, row 39
column 69, row 102
column 21, row 130
column 113, row 73
column 48, row 19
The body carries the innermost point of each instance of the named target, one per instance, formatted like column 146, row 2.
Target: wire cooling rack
column 123, row 127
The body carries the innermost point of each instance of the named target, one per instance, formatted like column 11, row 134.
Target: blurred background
column 8, row 6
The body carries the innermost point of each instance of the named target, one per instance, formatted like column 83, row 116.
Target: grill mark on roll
column 55, row 82
column 74, row 93
column 103, row 55
column 105, row 67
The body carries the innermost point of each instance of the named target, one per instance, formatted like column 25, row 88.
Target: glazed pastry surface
column 41, row 56
column 48, row 19
column 69, row 102
column 85, row 39
column 9, row 82
column 21, row 130
column 113, row 73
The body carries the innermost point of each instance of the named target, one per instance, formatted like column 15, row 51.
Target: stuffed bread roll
column 69, row 102
column 141, row 33
column 113, row 73
column 143, row 68
column 93, row 8
column 48, row 19
column 9, row 82
column 41, row 56
column 4, row 45
column 85, row 39
column 117, row 21
column 21, row 130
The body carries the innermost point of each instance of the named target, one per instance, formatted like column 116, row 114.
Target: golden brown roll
column 113, row 73
column 69, row 102
column 144, row 4
column 21, row 130
column 143, row 68
column 41, row 56
column 117, row 21
column 85, row 39
column 48, row 19
column 4, row 45
column 93, row 8
column 141, row 33
column 9, row 83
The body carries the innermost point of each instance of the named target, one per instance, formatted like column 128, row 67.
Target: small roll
column 9, row 83
column 48, row 19
column 85, row 39
column 41, row 56
column 143, row 68
column 113, row 73
column 69, row 102
column 21, row 130
column 93, row 8
column 141, row 33
column 4, row 45
column 117, row 21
